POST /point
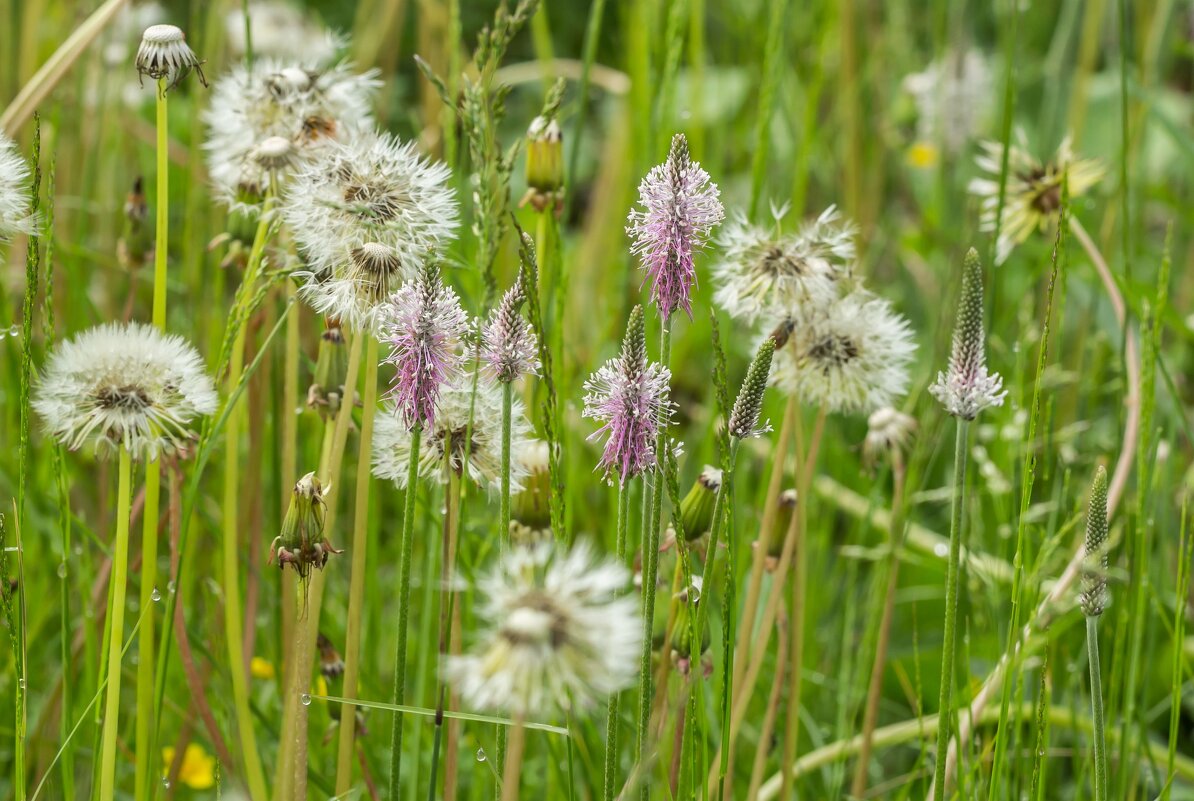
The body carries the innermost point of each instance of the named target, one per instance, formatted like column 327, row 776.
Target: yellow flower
column 922, row 155
column 321, row 685
column 198, row 767
column 261, row 668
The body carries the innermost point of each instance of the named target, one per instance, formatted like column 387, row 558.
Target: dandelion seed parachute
column 558, row 634
column 124, row 385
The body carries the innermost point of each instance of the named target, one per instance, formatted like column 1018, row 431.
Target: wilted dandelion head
column 509, row 347
column 967, row 388
column 558, row 634
column 124, row 385
column 629, row 395
column 851, row 356
column 422, row 323
column 1033, row 194
column 1094, row 596
column 953, row 97
column 164, row 54
column 678, row 207
column 280, row 29
column 466, row 436
column 367, row 214
column 310, row 107
column 14, row 192
column 761, row 268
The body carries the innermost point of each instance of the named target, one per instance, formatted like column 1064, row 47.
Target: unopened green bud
column 681, row 640
column 545, row 164
column 326, row 393
column 302, row 544
column 696, row 510
column 783, row 520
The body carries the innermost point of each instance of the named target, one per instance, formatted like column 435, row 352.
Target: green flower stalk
column 1093, row 600
column 965, row 390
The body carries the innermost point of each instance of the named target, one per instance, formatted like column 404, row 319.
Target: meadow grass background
column 842, row 130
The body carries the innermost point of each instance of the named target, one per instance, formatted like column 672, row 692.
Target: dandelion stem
column 120, row 559
column 407, row 551
column 945, row 705
column 356, row 581
column 1096, row 703
column 513, row 765
column 162, row 211
column 611, row 714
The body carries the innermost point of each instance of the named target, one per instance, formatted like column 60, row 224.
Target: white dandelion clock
column 953, row 97
column 14, row 192
column 852, row 356
column 124, row 385
column 760, row 268
column 559, row 634
column 366, row 215
column 307, row 106
column 466, row 434
column 278, row 30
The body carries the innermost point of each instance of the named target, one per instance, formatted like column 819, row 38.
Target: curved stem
column 407, row 552
column 120, row 559
column 356, row 581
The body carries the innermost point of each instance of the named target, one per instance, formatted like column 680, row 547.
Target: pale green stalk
column 407, row 551
column 611, row 709
column 447, row 598
column 356, row 581
column 1179, row 630
column 1096, row 703
column 945, row 705
column 120, row 559
column 504, row 500
column 772, row 62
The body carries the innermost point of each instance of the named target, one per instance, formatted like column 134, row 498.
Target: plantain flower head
column 509, row 347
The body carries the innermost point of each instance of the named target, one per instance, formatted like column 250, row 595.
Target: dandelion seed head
column 124, row 385
column 14, row 192
column 953, row 97
column 280, row 29
column 887, row 430
column 678, row 207
column 558, row 634
column 164, row 54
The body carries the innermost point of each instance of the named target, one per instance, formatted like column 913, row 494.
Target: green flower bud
column 545, row 164
column 696, row 510
column 331, row 370
column 302, row 544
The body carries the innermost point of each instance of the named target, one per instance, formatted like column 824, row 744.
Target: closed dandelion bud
column 696, row 510
column 682, row 627
column 136, row 240
column 1094, row 596
column 331, row 371
column 302, row 544
column 165, row 55
column 530, row 509
column 967, row 388
column 744, row 419
column 783, row 519
column 545, row 164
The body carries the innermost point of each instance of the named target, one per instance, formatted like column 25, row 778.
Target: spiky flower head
column 124, row 385
column 509, row 347
column 744, row 417
column 14, row 192
column 761, row 268
column 466, row 435
column 422, row 323
column 679, row 207
column 367, row 215
column 164, row 54
column 308, row 106
column 888, row 430
column 852, row 355
column 1032, row 199
column 278, row 29
column 1094, row 596
column 559, row 634
column 967, row 388
column 302, row 544
column 630, row 396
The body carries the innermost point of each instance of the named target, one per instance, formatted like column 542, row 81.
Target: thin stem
column 773, row 703
column 611, row 713
column 728, row 608
column 289, row 469
column 513, row 768
column 1096, row 703
column 120, row 559
column 407, row 550
column 356, row 581
column 447, row 596
column 162, row 209
column 504, row 499
column 945, row 704
column 302, row 686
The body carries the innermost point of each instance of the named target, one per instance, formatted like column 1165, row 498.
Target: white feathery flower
column 760, row 268
column 559, row 634
column 888, row 430
column 1032, row 197
column 124, row 385
column 307, row 105
column 447, row 438
column 852, row 356
column 279, row 30
column 953, row 97
column 366, row 215
column 14, row 192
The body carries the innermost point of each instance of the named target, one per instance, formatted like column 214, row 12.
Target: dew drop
column 481, row 755
column 62, row 569
column 156, row 595
column 941, row 549
column 13, row 331
column 170, row 586
column 21, row 682
column 305, row 699
column 165, row 783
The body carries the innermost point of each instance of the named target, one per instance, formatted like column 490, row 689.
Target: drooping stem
column 611, row 710
column 945, row 704
column 356, row 581
column 1096, row 703
column 407, row 551
column 120, row 559
column 875, row 689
